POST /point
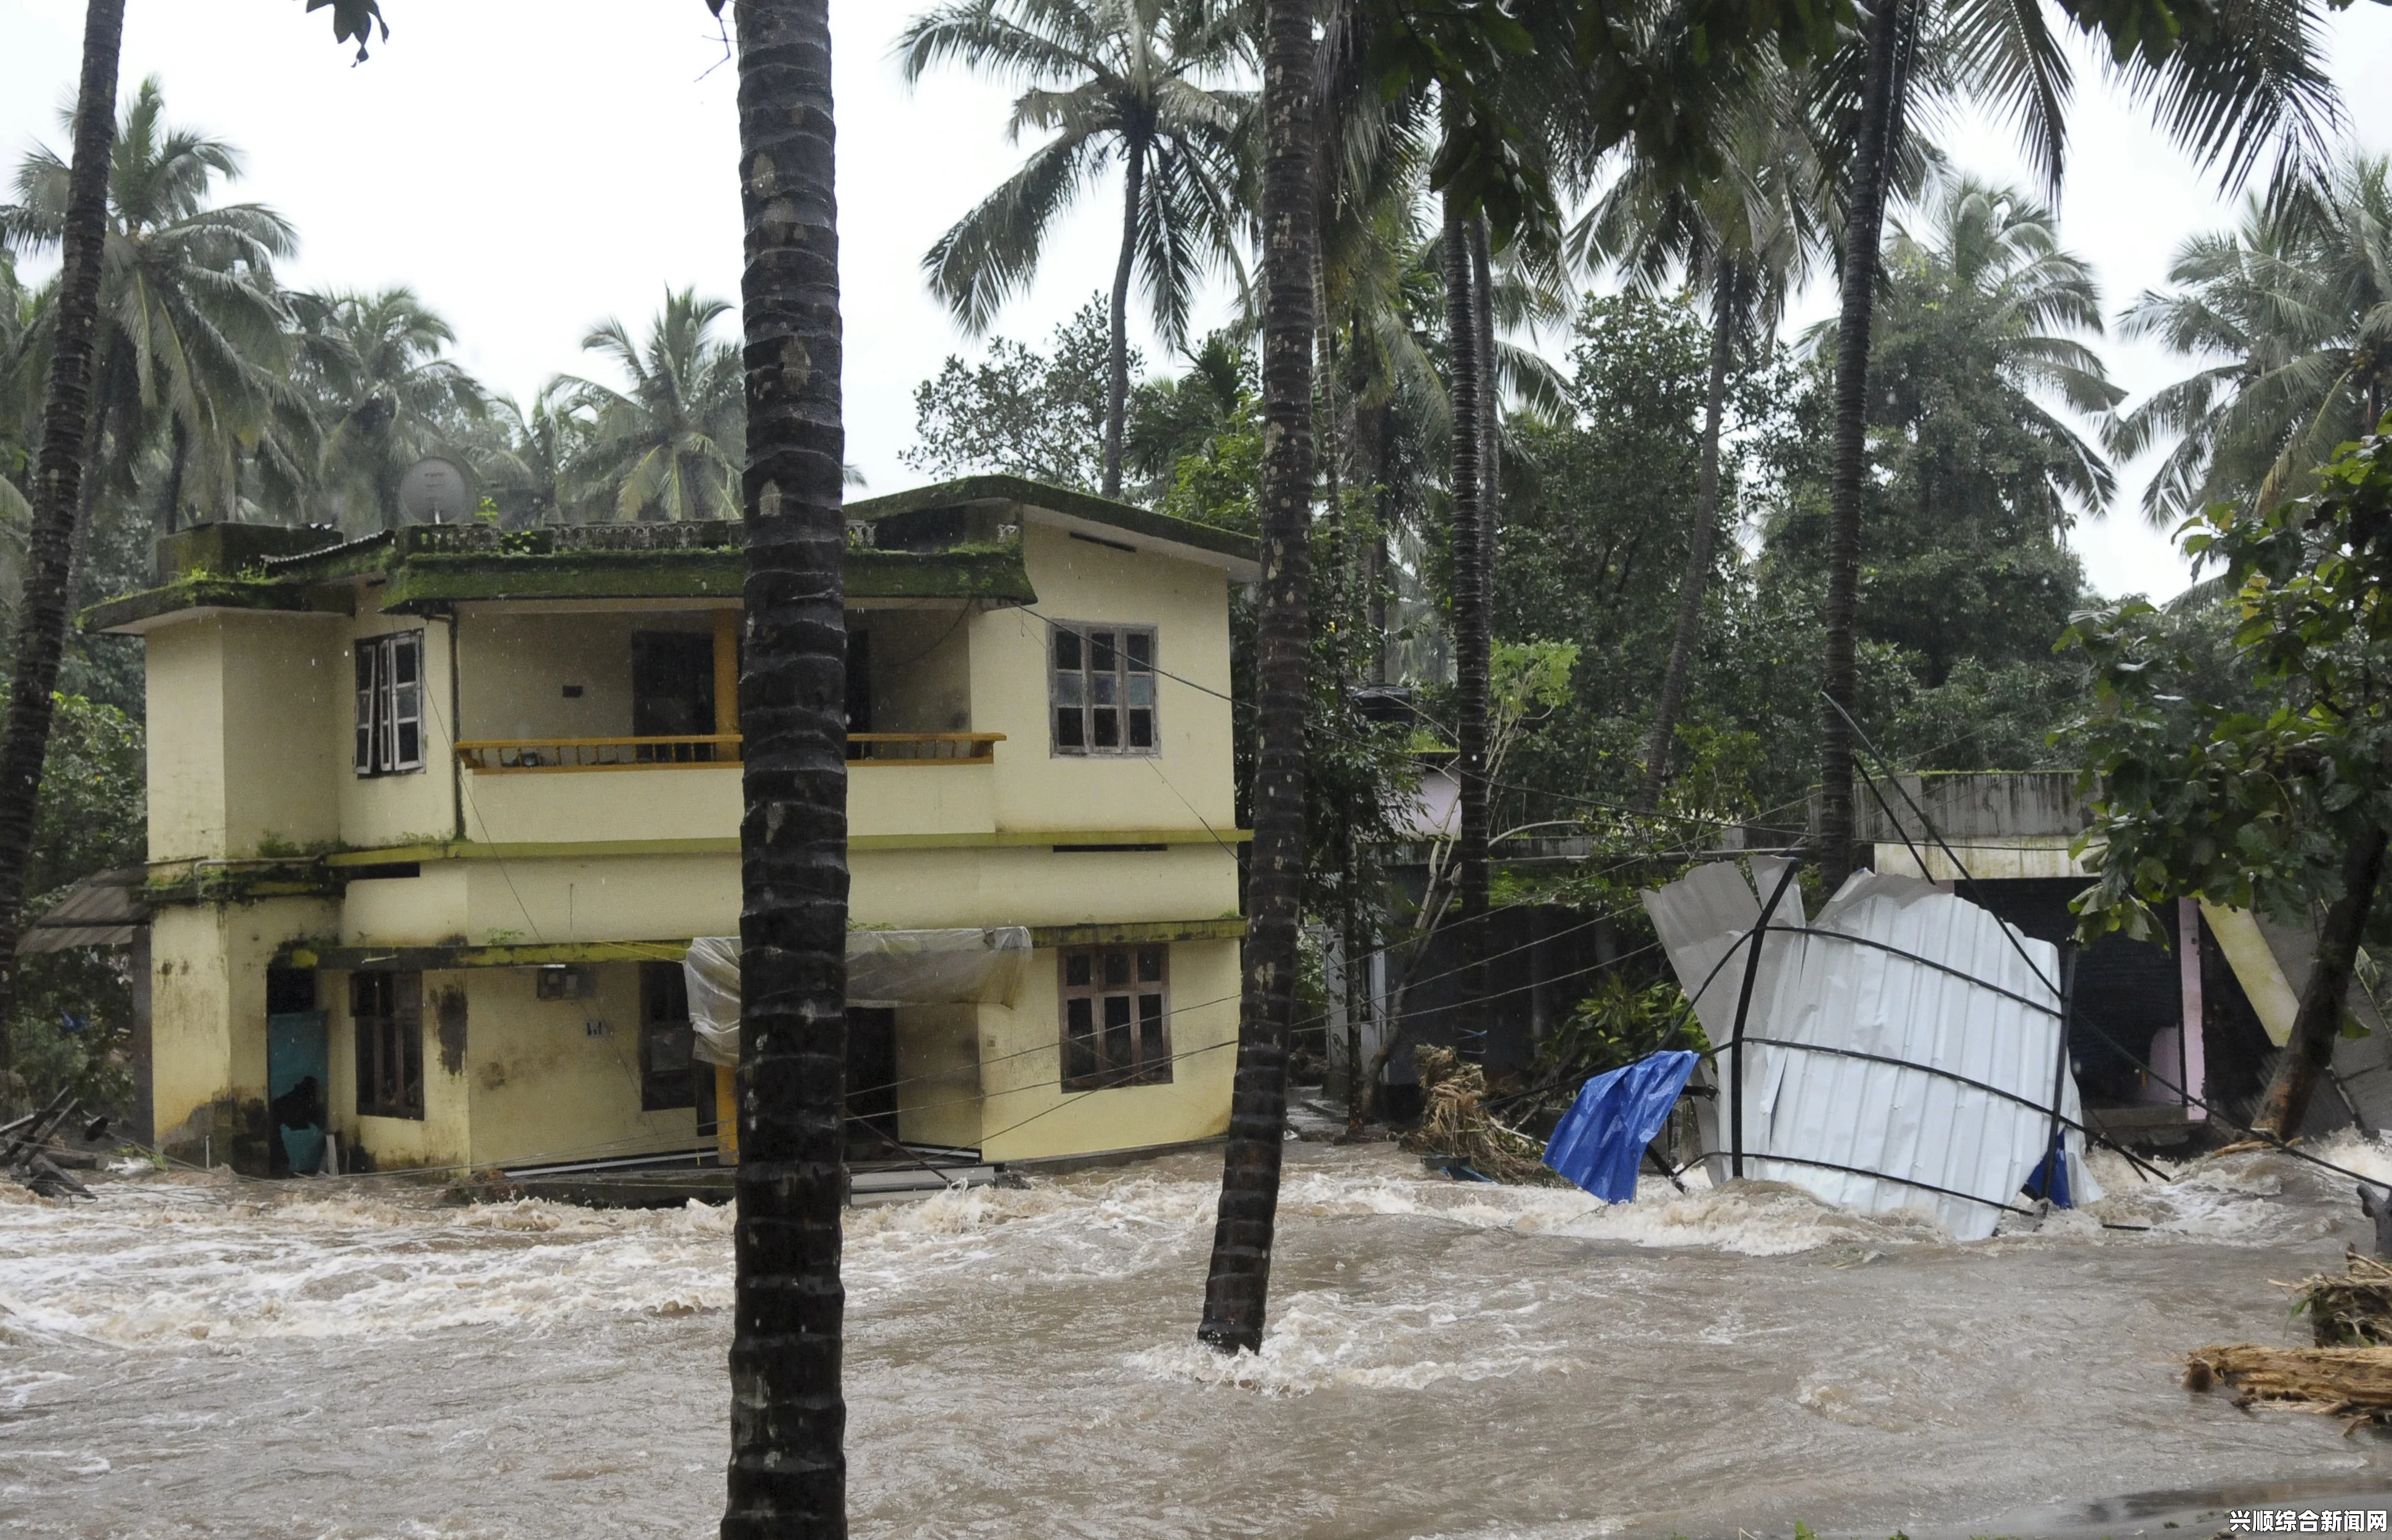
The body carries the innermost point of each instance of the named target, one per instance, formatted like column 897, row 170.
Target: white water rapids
column 339, row 1360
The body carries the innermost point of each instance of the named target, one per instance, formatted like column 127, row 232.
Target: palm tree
column 1237, row 1284
column 2296, row 309
column 788, row 1416
column 1106, row 78
column 57, row 478
column 669, row 448
column 387, row 398
column 193, row 328
column 2238, row 84
column 1744, row 240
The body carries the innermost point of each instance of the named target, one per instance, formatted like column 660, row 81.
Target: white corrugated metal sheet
column 1930, row 1141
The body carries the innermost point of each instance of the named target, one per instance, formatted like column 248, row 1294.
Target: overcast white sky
column 532, row 167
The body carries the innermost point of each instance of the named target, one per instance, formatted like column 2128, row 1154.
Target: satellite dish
column 435, row 492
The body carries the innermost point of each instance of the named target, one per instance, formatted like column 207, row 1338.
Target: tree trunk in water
column 1872, row 162
column 1238, row 1281
column 57, row 481
column 1470, row 637
column 2319, row 1022
column 788, row 1416
column 1698, row 548
column 1117, row 379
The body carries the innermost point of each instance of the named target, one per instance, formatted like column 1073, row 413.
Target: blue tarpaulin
column 1601, row 1139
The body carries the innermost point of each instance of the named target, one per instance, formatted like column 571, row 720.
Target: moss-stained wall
column 543, row 1087
column 207, row 1022
column 238, row 765
column 1027, row 1115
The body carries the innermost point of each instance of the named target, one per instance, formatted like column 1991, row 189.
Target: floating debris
column 2353, row 1311
column 1456, row 1126
column 2350, row 1382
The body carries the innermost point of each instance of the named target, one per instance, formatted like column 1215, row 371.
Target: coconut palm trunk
column 1699, row 546
column 2317, row 1025
column 1470, row 592
column 788, row 1476
column 1117, row 371
column 1864, row 224
column 58, row 480
column 1237, row 1288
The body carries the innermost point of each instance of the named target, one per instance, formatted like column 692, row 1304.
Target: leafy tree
column 2294, row 307
column 57, row 479
column 193, row 328
column 1745, row 240
column 75, row 1009
column 2232, row 85
column 386, row 396
column 1106, row 78
column 2278, row 803
column 1039, row 415
column 669, row 447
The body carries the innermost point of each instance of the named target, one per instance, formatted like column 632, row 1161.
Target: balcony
column 948, row 791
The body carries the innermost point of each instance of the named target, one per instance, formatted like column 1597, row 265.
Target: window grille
column 1101, row 689
column 390, row 704
column 1116, row 1016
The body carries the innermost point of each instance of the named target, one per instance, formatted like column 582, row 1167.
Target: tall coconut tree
column 192, row 341
column 2237, row 86
column 2291, row 315
column 1744, row 239
column 387, row 398
column 789, row 1414
column 1137, row 81
column 57, row 478
column 1237, row 1286
column 667, row 447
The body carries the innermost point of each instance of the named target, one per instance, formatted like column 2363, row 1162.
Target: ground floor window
column 1116, row 1016
column 388, row 1011
column 668, row 1070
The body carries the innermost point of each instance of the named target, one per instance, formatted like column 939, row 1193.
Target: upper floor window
column 1101, row 689
column 390, row 704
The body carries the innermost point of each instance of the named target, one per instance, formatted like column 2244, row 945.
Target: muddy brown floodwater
column 334, row 1360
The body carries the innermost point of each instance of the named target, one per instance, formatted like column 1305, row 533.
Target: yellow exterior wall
column 514, row 666
column 572, row 807
column 1028, row 1114
column 235, row 769
column 542, row 1087
column 1190, row 781
column 938, row 1075
column 207, row 1020
column 1032, row 886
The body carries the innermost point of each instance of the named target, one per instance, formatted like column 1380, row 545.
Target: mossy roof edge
column 204, row 591
column 1060, row 499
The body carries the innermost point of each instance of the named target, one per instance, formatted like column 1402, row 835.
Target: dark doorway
column 669, row 1075
column 859, row 681
column 297, row 1072
column 672, row 692
column 872, row 1082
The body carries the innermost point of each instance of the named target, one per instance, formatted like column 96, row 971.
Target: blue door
column 297, row 1076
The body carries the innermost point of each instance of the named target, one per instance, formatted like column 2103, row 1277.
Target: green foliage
column 1040, row 415
column 75, row 1009
column 1622, row 1021
column 2253, row 801
column 671, row 445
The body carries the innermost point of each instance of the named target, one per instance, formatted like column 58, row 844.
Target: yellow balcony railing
column 510, row 755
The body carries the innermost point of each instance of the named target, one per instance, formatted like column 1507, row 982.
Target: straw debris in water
column 1454, row 1122
column 2351, row 1383
column 2353, row 1311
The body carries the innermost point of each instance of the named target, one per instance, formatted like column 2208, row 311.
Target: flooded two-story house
column 434, row 815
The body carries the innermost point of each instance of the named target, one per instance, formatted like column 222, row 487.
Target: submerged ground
column 336, row 1360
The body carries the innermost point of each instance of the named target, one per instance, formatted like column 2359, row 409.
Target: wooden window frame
column 389, row 704
column 1094, row 1033
column 386, row 1009
column 1088, row 700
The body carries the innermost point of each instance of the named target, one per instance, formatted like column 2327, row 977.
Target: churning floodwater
column 334, row 1360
